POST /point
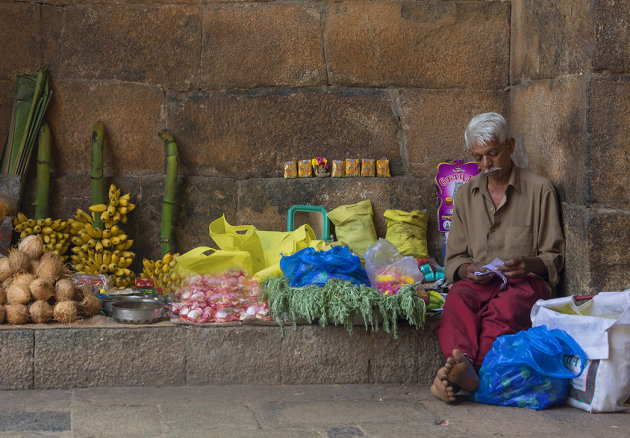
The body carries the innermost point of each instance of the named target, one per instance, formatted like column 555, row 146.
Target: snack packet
column 290, row 169
column 367, row 167
column 352, row 167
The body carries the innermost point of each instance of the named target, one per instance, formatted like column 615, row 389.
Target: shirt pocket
column 519, row 241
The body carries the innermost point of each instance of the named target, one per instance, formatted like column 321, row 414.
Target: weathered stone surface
column 609, row 149
column 114, row 421
column 246, row 354
column 265, row 202
column 423, row 44
column 158, row 45
column 609, row 235
column 576, row 278
column 20, row 40
column 132, row 115
column 613, row 36
column 75, row 358
column 434, row 122
column 315, row 355
column 202, row 201
column 262, row 44
column 394, row 360
column 550, row 38
column 548, row 121
column 244, row 134
column 16, row 359
column 430, row 357
column 7, row 94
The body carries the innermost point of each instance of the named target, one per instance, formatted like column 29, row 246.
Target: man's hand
column 520, row 266
column 467, row 272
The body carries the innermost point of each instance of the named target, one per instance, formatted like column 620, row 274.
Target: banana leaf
column 33, row 95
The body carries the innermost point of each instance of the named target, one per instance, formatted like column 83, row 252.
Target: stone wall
column 570, row 110
column 246, row 85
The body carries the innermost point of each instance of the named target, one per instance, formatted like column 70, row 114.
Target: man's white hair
column 486, row 128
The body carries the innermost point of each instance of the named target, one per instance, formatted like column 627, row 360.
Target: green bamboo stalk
column 96, row 173
column 43, row 173
column 166, row 226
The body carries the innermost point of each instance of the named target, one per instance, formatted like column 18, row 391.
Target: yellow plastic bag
column 354, row 226
column 205, row 260
column 408, row 232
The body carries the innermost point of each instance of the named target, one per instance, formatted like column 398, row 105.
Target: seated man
column 504, row 212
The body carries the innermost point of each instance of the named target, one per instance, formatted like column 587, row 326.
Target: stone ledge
column 101, row 353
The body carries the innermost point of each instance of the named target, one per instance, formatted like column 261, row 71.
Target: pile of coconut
column 36, row 286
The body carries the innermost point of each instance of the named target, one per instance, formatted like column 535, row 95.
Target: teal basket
column 313, row 215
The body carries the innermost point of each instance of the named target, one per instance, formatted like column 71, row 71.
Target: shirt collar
column 481, row 180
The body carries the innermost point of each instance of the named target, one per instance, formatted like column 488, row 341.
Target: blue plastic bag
column 527, row 369
column 309, row 266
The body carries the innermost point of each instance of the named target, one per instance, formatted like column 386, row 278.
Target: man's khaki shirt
column 526, row 223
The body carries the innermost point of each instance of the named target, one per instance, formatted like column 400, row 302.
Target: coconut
column 41, row 289
column 5, row 269
column 40, row 311
column 16, row 313
column 2, row 314
column 64, row 290
column 25, row 279
column 66, row 311
column 6, row 283
column 19, row 261
column 18, row 294
column 50, row 267
column 3, row 296
column 32, row 246
column 91, row 305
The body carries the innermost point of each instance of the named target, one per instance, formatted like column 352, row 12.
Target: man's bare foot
column 460, row 372
column 443, row 390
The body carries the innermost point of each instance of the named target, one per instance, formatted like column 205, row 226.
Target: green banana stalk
column 96, row 173
column 43, row 173
column 166, row 226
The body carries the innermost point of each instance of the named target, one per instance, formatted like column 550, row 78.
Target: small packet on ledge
column 382, row 168
column 367, row 167
column 352, row 167
column 290, row 169
column 338, row 169
column 305, row 170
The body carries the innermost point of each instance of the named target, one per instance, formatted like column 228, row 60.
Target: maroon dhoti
column 476, row 314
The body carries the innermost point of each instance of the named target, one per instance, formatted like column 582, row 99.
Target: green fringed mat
column 339, row 302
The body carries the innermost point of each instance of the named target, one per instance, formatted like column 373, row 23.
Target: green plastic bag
column 408, row 232
column 354, row 226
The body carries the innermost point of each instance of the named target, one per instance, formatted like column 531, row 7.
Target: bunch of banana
column 104, row 250
column 55, row 233
column 161, row 271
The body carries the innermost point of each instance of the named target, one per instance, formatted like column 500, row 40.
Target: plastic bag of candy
column 388, row 270
column 231, row 296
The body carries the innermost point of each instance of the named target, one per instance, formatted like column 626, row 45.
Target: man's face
column 494, row 159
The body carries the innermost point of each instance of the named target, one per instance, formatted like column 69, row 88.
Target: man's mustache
column 492, row 170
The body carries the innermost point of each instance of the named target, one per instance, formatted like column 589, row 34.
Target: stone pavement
column 279, row 411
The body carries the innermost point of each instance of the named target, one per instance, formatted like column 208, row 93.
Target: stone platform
column 102, row 353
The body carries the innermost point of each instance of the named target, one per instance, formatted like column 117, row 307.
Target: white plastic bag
column 601, row 327
column 387, row 269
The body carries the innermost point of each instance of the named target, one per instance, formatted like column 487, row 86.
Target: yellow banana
column 106, row 243
column 19, row 227
column 48, row 221
column 31, row 223
column 40, row 222
column 82, row 216
column 98, row 247
column 98, row 258
column 123, row 210
column 103, row 269
column 127, row 244
column 98, row 208
column 124, row 262
column 46, row 238
column 21, row 217
column 167, row 258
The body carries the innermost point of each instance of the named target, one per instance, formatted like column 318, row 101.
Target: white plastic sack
column 601, row 327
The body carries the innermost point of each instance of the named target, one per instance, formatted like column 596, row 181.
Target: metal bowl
column 138, row 312
column 109, row 301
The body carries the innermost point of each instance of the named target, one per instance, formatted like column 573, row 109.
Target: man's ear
column 510, row 142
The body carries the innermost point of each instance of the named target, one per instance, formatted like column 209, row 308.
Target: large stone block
column 262, row 44
column 7, row 94
column 576, row 278
column 613, row 36
column 394, row 360
column 434, row 122
column 548, row 121
column 550, row 38
column 609, row 236
column 224, row 355
column 158, row 45
column 418, row 44
column 430, row 357
column 79, row 358
column 312, row 355
column 265, row 202
column 132, row 115
column 609, row 148
column 16, row 359
column 20, row 39
column 250, row 133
